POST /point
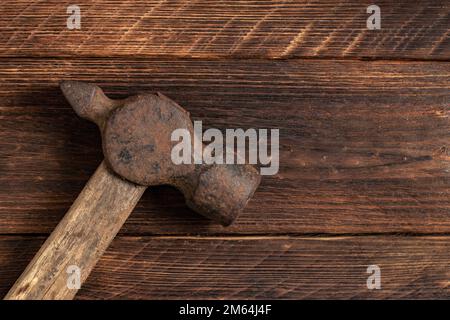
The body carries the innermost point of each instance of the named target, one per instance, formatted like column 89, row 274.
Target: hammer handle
column 80, row 238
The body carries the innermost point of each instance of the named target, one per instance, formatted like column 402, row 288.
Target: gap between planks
column 240, row 237
column 166, row 57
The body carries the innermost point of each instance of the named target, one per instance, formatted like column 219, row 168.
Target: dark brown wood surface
column 262, row 267
column 210, row 29
column 364, row 145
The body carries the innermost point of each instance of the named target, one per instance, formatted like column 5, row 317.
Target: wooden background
column 364, row 119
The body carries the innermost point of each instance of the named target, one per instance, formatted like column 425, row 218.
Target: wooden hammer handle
column 80, row 238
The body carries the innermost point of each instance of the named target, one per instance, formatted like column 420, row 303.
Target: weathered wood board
column 254, row 267
column 364, row 146
column 217, row 29
column 364, row 120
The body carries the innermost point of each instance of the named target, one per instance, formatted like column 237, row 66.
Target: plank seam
column 253, row 236
column 217, row 59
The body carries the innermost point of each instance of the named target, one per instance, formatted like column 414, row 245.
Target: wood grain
column 80, row 239
column 254, row 267
column 364, row 145
column 217, row 29
column 365, row 151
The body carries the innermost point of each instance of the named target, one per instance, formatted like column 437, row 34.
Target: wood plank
column 254, row 267
column 364, row 145
column 215, row 29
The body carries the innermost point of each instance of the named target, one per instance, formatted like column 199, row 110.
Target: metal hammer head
column 136, row 137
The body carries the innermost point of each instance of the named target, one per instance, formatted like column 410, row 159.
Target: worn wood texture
column 364, row 146
column 212, row 29
column 80, row 238
column 254, row 267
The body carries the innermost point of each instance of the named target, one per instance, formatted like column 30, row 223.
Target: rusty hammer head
column 136, row 137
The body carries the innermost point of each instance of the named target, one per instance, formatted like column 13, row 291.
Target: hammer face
column 137, row 139
column 222, row 191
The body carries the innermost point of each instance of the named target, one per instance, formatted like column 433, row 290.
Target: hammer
column 136, row 141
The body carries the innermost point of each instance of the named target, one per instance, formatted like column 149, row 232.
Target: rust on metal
column 136, row 137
